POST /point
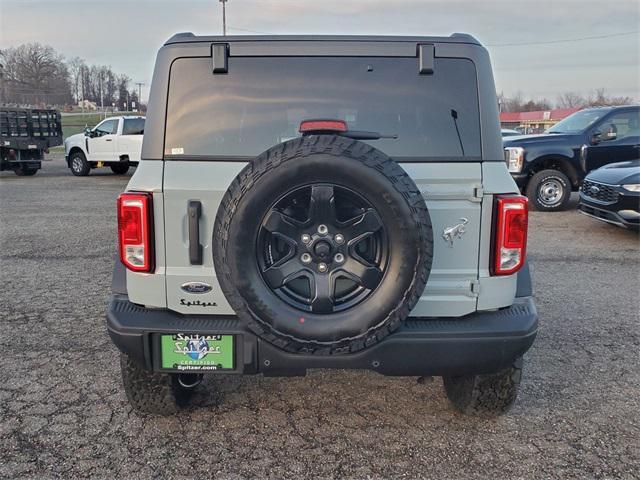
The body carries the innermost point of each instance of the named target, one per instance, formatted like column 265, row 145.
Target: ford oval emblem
column 196, row 287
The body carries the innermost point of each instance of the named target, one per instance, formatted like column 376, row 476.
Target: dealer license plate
column 196, row 353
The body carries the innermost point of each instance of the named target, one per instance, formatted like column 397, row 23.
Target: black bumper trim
column 482, row 342
column 606, row 215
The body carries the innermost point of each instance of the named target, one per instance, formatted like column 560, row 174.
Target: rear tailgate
column 453, row 193
column 450, row 191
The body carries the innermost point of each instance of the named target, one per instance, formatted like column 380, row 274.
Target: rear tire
column 120, row 169
column 79, row 165
column 152, row 392
column 486, row 395
column 549, row 191
column 308, row 320
column 26, row 171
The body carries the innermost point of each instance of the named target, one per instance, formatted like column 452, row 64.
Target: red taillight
column 307, row 126
column 135, row 231
column 511, row 218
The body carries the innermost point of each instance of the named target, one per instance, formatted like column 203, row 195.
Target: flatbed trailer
column 25, row 136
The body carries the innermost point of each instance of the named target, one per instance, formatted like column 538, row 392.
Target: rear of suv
column 322, row 202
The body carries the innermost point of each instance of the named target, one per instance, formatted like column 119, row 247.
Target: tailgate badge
column 451, row 233
column 196, row 287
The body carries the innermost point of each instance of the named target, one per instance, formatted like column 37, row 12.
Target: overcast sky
column 126, row 34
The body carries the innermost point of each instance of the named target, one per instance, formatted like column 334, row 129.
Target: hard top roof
column 188, row 37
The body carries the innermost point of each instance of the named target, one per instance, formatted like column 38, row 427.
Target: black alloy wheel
column 322, row 248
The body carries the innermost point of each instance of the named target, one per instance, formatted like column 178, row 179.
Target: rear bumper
column 483, row 342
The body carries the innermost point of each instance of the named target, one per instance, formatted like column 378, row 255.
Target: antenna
column 224, row 18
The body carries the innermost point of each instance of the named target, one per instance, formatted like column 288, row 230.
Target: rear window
column 133, row 126
column 262, row 100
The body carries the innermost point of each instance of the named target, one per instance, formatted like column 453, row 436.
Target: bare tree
column 76, row 68
column 123, row 91
column 110, row 86
column 517, row 103
column 599, row 98
column 35, row 74
column 571, row 100
column 514, row 104
column 536, row 105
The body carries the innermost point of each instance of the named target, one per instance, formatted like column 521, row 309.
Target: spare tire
column 323, row 245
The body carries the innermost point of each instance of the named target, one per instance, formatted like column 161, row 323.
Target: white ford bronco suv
column 313, row 202
column 115, row 142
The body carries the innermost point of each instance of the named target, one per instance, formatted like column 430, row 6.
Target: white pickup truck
column 115, row 142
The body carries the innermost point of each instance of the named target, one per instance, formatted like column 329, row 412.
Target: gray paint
column 459, row 282
column 495, row 292
column 451, row 193
column 149, row 288
column 449, row 190
column 206, row 182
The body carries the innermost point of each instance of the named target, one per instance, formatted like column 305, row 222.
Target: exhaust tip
column 189, row 380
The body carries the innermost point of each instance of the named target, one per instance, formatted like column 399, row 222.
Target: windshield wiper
column 364, row 135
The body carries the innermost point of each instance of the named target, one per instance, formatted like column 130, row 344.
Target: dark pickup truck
column 548, row 167
column 25, row 136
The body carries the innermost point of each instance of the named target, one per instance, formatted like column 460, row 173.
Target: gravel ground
column 63, row 412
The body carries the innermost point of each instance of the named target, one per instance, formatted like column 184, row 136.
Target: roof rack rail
column 179, row 36
column 465, row 36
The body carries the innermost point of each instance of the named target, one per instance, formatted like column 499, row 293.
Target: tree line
column 36, row 75
column 597, row 98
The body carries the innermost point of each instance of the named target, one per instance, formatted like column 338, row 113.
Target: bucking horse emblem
column 451, row 233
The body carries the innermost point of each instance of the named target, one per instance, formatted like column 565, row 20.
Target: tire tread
column 539, row 177
column 485, row 395
column 339, row 147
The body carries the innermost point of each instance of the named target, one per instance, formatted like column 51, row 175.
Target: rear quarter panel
column 149, row 288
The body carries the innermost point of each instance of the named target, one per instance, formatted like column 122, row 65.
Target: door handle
column 108, row 139
column 194, row 210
